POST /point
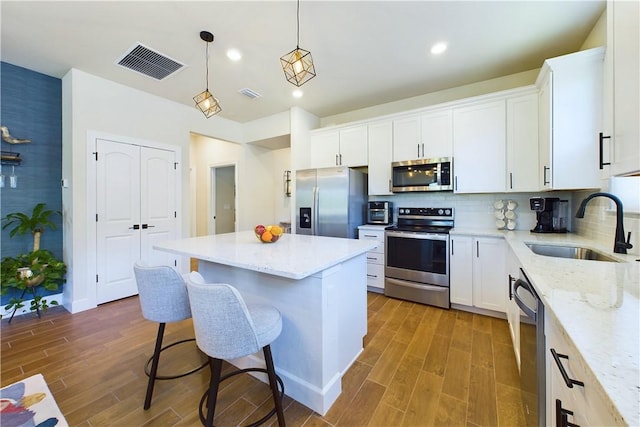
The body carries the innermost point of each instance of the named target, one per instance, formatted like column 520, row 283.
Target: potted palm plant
column 38, row 269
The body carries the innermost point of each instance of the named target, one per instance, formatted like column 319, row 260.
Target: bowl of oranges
column 268, row 233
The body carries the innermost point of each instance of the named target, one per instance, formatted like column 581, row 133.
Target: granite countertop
column 597, row 304
column 293, row 256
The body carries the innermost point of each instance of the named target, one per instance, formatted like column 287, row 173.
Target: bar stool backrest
column 163, row 294
column 223, row 326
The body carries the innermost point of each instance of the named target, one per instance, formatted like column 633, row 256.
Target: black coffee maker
column 551, row 214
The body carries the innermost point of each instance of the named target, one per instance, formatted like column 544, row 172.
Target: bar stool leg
column 154, row 366
column 271, row 373
column 214, row 383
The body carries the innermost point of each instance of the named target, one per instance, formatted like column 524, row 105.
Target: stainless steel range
column 417, row 256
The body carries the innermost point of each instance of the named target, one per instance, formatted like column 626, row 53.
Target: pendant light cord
column 298, row 27
column 207, row 61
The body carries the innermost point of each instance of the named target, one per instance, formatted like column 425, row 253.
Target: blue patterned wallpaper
column 31, row 107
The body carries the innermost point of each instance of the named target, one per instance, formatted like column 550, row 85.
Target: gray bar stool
column 226, row 328
column 163, row 299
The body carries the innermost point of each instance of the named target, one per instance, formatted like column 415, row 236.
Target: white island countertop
column 294, row 256
column 596, row 303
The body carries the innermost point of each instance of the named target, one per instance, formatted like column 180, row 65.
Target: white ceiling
column 366, row 52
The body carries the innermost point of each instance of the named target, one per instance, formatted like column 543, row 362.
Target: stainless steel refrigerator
column 330, row 201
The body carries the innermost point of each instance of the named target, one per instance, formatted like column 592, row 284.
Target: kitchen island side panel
column 324, row 322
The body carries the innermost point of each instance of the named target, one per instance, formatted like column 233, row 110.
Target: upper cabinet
column 570, row 119
column 380, row 151
column 479, row 147
column 522, row 142
column 621, row 146
column 427, row 135
column 339, row 147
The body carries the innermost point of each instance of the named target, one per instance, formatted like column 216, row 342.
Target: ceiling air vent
column 249, row 93
column 149, row 62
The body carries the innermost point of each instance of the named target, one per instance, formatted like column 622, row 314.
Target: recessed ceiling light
column 297, row 93
column 438, row 48
column 234, row 54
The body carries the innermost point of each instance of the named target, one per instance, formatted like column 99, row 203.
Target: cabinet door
column 479, row 148
column 380, row 152
column 437, row 133
column 406, row 139
column 460, row 267
column 522, row 143
column 353, row 146
column 626, row 86
column 325, row 148
column 489, row 285
column 513, row 311
column 544, row 132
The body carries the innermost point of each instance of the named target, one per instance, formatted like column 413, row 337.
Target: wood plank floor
column 421, row 366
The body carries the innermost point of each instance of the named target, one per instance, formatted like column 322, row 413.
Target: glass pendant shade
column 207, row 103
column 298, row 66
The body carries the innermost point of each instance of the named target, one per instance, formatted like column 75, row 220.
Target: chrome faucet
column 620, row 245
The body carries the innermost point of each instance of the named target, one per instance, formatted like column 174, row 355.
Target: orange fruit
column 266, row 236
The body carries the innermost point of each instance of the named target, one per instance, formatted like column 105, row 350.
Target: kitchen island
column 319, row 284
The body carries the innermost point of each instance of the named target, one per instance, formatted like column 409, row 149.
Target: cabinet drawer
column 371, row 235
column 375, row 275
column 375, row 257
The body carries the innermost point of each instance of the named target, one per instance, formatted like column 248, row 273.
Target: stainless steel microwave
column 422, row 175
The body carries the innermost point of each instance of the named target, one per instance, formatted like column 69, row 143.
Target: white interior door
column 157, row 204
column 135, row 196
column 118, row 219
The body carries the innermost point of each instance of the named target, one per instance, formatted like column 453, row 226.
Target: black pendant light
column 298, row 65
column 205, row 101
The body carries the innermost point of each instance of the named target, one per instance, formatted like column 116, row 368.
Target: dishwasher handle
column 531, row 312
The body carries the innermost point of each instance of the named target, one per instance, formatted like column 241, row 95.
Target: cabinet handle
column 601, row 143
column 452, row 247
column 390, row 186
column 422, row 149
column 511, row 180
column 340, row 159
column 562, row 416
column 337, row 160
column 418, row 145
column 544, row 176
column 373, row 276
column 456, row 182
column 477, row 249
column 135, row 227
column 511, row 280
column 370, row 235
column 568, row 381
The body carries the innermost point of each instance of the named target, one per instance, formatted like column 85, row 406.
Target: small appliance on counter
column 380, row 213
column 551, row 214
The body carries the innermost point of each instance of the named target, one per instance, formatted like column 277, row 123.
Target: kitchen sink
column 572, row 252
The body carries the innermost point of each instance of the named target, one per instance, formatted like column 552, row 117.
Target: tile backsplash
column 477, row 211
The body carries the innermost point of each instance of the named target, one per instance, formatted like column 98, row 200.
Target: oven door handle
column 523, row 306
column 416, row 286
column 412, row 235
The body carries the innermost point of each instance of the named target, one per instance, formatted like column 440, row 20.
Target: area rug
column 29, row 403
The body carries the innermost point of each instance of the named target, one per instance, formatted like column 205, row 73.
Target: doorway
column 222, row 196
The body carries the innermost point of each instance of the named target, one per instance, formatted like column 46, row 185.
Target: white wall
column 94, row 104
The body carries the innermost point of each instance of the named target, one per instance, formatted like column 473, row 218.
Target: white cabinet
column 570, row 119
column 477, row 272
column 339, row 147
column 461, row 270
column 375, row 257
column 623, row 77
column 479, row 147
column 406, row 138
column 512, row 309
column 380, row 152
column 522, row 143
column 583, row 403
column 436, row 129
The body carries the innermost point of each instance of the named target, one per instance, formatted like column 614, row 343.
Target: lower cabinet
column 573, row 396
column 477, row 272
column 375, row 257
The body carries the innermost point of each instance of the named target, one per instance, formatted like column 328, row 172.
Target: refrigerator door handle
column 314, row 213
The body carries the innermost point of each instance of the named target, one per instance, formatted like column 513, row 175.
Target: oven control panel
column 422, row 212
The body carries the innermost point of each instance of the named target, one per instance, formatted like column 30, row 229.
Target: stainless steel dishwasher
column 532, row 351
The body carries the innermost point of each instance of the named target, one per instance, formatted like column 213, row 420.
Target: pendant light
column 298, row 65
column 205, row 102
